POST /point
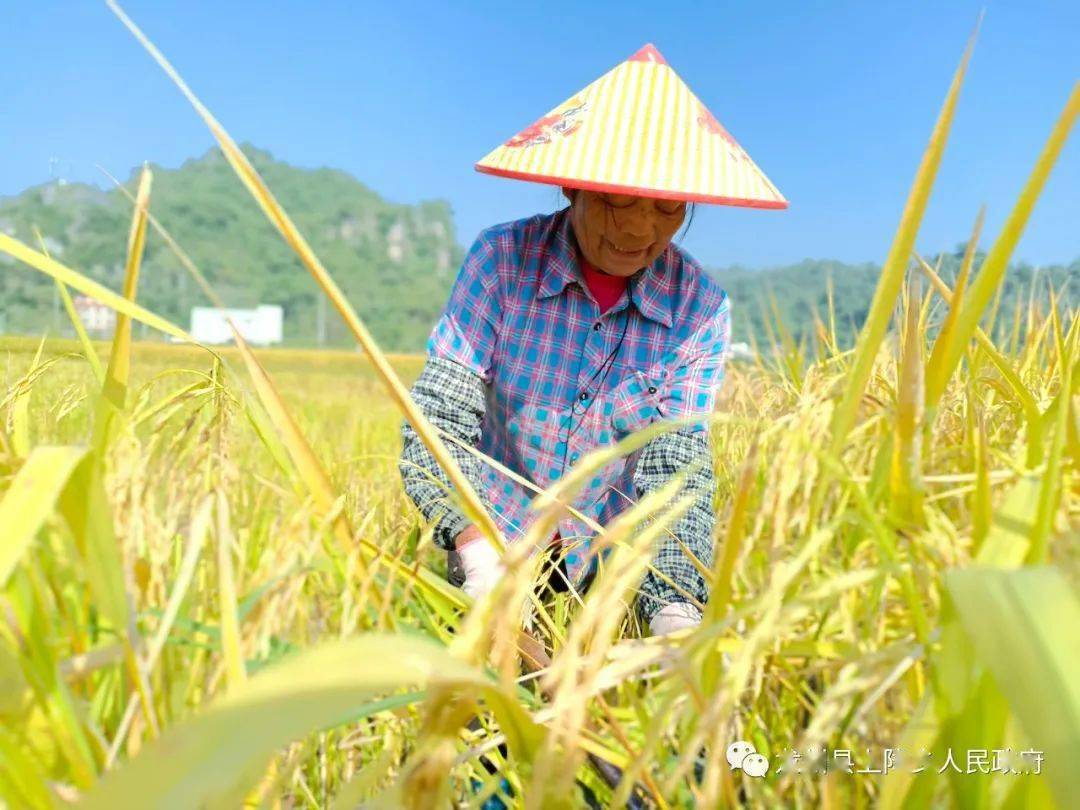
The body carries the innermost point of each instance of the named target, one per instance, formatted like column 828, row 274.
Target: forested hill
column 792, row 294
column 395, row 262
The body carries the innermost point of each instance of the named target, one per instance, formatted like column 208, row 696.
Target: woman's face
column 621, row 233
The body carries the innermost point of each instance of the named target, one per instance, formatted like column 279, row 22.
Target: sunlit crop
column 214, row 593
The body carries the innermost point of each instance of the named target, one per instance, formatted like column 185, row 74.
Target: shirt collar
column 648, row 287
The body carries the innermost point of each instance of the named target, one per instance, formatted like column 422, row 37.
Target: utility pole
column 55, row 181
column 184, row 308
column 320, row 320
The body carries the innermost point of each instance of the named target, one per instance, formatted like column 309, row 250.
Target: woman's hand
column 674, row 617
column 480, row 561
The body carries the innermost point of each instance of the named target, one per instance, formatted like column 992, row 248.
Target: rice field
column 214, row 593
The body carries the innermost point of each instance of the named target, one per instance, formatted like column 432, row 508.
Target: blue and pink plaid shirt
column 562, row 378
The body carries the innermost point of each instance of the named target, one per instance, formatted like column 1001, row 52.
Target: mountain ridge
column 395, row 262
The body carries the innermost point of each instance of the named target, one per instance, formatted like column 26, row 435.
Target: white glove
column 482, row 565
column 674, row 617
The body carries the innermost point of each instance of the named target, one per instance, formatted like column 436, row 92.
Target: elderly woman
column 566, row 332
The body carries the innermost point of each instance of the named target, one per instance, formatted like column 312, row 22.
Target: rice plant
column 213, row 592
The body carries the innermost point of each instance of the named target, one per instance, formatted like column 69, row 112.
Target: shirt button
column 596, row 326
column 584, row 395
column 652, row 389
column 574, row 457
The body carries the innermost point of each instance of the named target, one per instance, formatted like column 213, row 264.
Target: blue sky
column 834, row 101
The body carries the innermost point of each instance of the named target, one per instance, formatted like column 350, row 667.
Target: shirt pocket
column 636, row 403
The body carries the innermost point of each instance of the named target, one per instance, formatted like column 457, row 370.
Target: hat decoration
column 638, row 129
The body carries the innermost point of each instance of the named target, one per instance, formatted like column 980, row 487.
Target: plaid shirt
column 523, row 366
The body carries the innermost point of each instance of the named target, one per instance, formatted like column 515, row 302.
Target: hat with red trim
column 636, row 130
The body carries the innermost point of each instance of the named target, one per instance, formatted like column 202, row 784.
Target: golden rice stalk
column 920, row 733
column 716, row 607
column 119, row 369
column 980, row 503
column 197, row 533
column 1033, row 351
column 1025, row 628
column 935, row 378
column 712, row 721
column 70, row 739
column 572, row 675
column 22, row 779
column 179, row 252
column 1009, row 538
column 892, row 272
column 235, row 672
column 1028, row 404
column 856, row 685
column 1017, row 324
column 493, row 629
column 366, row 780
column 1050, row 493
column 255, row 413
column 1017, row 386
column 310, row 470
column 833, row 345
column 75, row 280
column 13, row 683
column 318, row 483
column 20, row 405
column 211, row 759
column 76, row 320
column 905, row 479
column 992, row 271
column 281, row 220
column 200, row 528
column 85, row 507
column 31, row 499
column 424, row 781
column 92, row 521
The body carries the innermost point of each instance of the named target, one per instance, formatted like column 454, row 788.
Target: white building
column 98, row 319
column 261, row 326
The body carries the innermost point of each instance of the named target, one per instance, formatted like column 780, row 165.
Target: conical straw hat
column 636, row 130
